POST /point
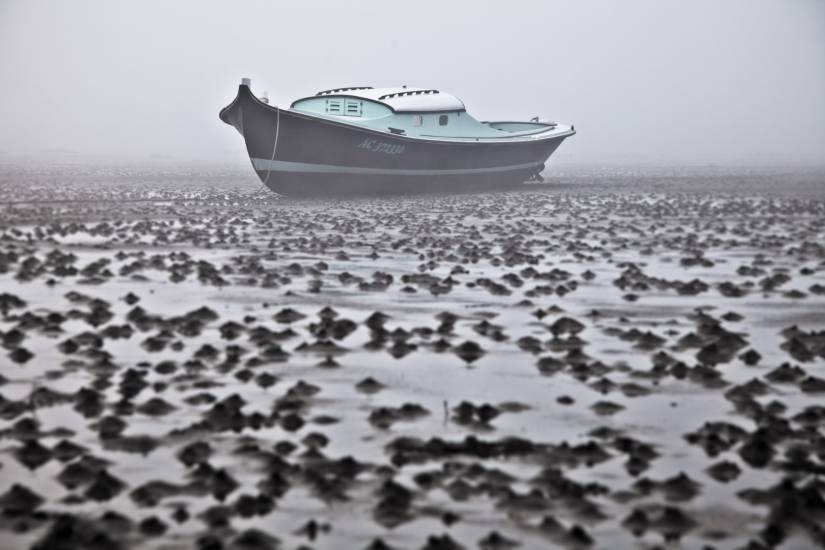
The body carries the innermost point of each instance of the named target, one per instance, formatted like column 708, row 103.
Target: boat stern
column 232, row 114
column 257, row 122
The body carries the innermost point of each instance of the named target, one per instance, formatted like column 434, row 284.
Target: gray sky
column 733, row 81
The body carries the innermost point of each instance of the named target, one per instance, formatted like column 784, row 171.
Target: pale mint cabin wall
column 459, row 123
column 317, row 105
column 379, row 116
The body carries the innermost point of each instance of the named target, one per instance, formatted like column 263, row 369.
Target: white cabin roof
column 403, row 99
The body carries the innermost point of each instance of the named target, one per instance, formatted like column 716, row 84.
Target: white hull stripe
column 303, row 167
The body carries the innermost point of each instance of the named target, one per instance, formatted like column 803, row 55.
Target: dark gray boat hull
column 299, row 154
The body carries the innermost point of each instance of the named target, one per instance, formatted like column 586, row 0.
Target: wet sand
column 619, row 358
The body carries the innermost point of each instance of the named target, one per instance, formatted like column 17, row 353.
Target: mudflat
column 619, row 358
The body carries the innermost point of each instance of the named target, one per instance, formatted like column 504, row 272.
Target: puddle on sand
column 598, row 366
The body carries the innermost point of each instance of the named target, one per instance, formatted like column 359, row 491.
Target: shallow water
column 507, row 266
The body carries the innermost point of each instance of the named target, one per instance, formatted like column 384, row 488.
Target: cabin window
column 353, row 107
column 417, row 120
column 335, row 107
column 442, row 120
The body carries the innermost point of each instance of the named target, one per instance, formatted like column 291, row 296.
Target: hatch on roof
column 403, row 99
column 340, row 90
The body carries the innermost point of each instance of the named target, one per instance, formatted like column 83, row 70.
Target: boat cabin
column 415, row 112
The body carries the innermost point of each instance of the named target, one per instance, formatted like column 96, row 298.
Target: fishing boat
column 364, row 140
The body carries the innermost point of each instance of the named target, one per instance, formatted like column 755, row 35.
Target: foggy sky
column 709, row 81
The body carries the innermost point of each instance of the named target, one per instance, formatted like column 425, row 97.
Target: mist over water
column 736, row 82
